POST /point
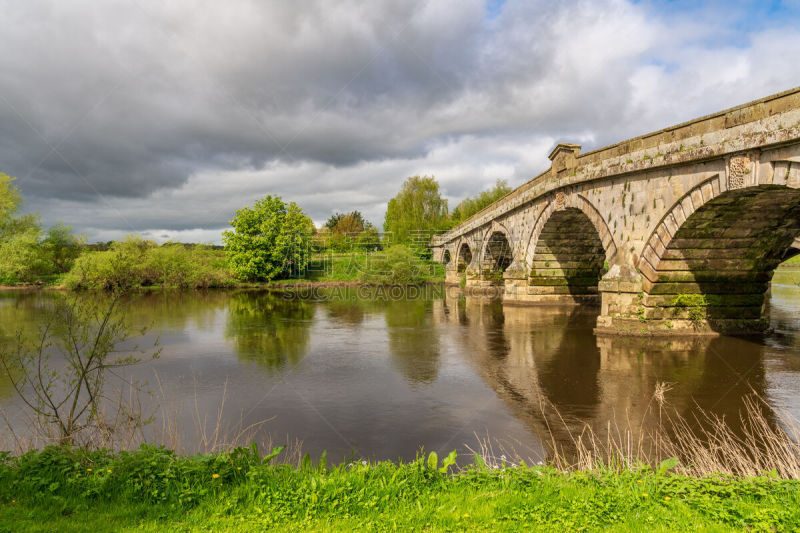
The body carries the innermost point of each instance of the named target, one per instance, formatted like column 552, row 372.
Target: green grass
column 794, row 261
column 155, row 490
column 350, row 267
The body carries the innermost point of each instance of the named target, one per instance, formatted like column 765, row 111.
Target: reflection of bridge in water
column 557, row 376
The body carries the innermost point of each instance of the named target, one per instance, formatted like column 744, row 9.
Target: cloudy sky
column 164, row 117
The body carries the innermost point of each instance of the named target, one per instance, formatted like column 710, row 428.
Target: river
column 380, row 375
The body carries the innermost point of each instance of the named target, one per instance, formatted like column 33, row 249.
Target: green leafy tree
column 341, row 231
column 469, row 206
column 369, row 239
column 350, row 224
column 332, row 221
column 269, row 240
column 417, row 210
column 10, row 199
column 61, row 247
column 24, row 253
column 21, row 257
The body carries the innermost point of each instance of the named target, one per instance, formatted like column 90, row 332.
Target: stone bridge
column 677, row 231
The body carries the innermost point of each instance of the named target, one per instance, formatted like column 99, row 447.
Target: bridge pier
column 452, row 276
column 629, row 308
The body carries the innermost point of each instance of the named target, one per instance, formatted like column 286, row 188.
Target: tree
column 345, row 221
column 70, row 402
column 269, row 240
column 332, row 221
column 469, row 206
column 10, row 200
column 20, row 255
column 350, row 224
column 61, row 247
column 24, row 255
column 369, row 239
column 417, row 211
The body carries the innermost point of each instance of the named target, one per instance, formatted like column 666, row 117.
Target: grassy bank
column 154, row 490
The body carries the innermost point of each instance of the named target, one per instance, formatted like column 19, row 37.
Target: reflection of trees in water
column 176, row 310
column 347, row 310
column 268, row 329
column 23, row 311
column 413, row 342
column 20, row 313
column 548, row 366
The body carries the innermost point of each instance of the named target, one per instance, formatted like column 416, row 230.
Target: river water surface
column 378, row 377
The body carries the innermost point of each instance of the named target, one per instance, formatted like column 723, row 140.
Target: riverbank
column 203, row 268
column 155, row 490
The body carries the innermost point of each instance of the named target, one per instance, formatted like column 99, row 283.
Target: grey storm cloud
column 165, row 117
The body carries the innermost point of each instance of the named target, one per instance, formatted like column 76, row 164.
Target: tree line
column 272, row 239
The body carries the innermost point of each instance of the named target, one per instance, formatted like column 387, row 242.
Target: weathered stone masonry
column 677, row 231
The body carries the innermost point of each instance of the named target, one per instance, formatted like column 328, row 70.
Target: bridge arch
column 497, row 252
column 709, row 262
column 446, row 258
column 569, row 249
column 463, row 256
column 496, row 248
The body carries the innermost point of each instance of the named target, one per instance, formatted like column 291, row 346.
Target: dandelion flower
column 667, row 498
column 88, row 469
column 645, row 495
column 238, row 468
column 108, row 471
column 214, row 476
column 466, row 515
column 638, row 481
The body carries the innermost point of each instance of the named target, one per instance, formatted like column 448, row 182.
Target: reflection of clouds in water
column 782, row 358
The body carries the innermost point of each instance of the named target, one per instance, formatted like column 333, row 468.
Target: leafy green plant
column 135, row 262
column 67, row 488
column 469, row 205
column 269, row 240
column 397, row 265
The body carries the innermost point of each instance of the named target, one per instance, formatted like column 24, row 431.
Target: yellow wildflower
column 645, row 495
column 215, row 476
column 638, row 481
column 88, row 469
column 109, row 471
column 466, row 515
column 238, row 468
column 667, row 498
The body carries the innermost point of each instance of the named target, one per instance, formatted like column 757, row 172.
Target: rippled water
column 378, row 377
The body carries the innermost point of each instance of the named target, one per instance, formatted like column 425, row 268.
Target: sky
column 164, row 117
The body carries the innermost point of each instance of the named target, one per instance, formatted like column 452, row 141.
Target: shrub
column 397, row 265
column 137, row 262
